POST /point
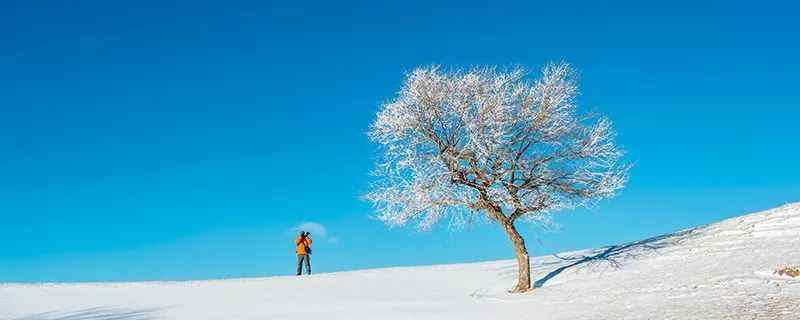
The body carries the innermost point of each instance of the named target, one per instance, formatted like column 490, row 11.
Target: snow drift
column 718, row 271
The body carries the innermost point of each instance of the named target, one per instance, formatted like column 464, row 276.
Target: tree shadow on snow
column 96, row 313
column 615, row 256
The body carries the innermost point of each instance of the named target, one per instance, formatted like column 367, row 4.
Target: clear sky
column 187, row 140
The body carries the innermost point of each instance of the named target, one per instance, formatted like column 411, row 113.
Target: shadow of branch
column 96, row 313
column 615, row 255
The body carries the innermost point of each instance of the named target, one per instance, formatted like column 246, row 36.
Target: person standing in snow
column 303, row 250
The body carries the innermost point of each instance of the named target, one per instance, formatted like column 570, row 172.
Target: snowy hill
column 718, row 271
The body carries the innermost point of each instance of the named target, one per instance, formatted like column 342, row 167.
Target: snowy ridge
column 718, row 271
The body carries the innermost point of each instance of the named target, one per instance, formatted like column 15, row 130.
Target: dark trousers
column 303, row 258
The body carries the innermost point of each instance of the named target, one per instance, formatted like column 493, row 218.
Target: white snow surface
column 718, row 271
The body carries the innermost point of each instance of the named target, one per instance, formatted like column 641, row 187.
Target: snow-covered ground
column 719, row 271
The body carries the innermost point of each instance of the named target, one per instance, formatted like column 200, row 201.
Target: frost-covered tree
column 489, row 143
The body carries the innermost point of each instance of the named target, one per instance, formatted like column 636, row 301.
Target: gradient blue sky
column 187, row 140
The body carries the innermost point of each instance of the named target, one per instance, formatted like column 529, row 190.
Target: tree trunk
column 523, row 262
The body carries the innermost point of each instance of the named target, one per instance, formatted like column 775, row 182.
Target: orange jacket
column 302, row 243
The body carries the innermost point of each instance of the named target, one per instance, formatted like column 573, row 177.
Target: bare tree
column 484, row 142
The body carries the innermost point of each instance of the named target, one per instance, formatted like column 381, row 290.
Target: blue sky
column 188, row 140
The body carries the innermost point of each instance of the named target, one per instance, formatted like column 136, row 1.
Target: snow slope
column 718, row 271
